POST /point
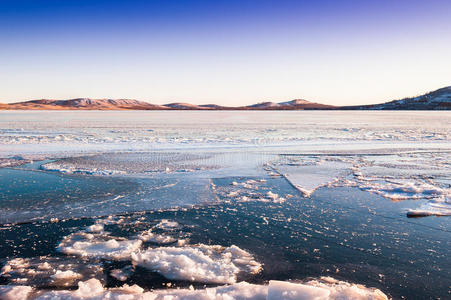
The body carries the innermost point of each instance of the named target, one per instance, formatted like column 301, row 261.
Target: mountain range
column 436, row 100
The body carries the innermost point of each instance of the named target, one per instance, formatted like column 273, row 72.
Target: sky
column 234, row 52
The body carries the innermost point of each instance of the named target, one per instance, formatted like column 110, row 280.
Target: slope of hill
column 436, row 100
column 127, row 104
column 84, row 104
column 263, row 105
column 185, row 106
column 296, row 104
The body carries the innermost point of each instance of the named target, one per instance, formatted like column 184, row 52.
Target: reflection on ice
column 308, row 178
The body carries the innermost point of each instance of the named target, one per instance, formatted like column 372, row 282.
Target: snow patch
column 149, row 236
column 15, row 292
column 57, row 167
column 167, row 224
column 122, row 274
column 199, row 263
column 436, row 207
column 97, row 245
column 324, row 288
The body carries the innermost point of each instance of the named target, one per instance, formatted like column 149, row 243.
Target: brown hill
column 128, row 104
column 84, row 104
column 436, row 100
column 296, row 104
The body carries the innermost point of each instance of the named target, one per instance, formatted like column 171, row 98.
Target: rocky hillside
column 436, row 100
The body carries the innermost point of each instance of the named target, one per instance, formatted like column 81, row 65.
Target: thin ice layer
column 198, row 263
column 308, row 178
column 130, row 163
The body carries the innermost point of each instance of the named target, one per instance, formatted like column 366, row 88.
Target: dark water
column 29, row 194
column 340, row 232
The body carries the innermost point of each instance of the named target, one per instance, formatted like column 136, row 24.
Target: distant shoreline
column 436, row 100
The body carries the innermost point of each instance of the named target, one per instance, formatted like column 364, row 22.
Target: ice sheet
column 308, row 178
column 308, row 131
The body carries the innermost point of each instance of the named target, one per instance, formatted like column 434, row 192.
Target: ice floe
column 15, row 292
column 395, row 176
column 98, row 245
column 308, row 178
column 248, row 191
column 56, row 167
column 322, row 289
column 199, row 263
column 66, row 277
column 122, row 274
column 401, row 190
column 436, row 207
column 167, row 224
column 149, row 236
column 50, row 271
column 95, row 228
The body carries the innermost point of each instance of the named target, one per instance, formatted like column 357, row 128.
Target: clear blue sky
column 225, row 52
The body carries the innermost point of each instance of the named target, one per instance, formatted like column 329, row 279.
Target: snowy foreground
column 326, row 288
column 175, row 259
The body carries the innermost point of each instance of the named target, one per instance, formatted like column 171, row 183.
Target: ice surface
column 65, row 277
column 176, row 157
column 98, row 245
column 437, row 207
column 275, row 290
column 396, row 176
column 15, row 292
column 48, row 271
column 122, row 274
column 113, row 131
column 95, row 228
column 199, row 263
column 308, row 178
column 149, row 236
column 131, row 163
column 292, row 291
column 93, row 289
column 249, row 190
column 167, row 224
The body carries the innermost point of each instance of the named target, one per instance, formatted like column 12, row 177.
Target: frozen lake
column 323, row 203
